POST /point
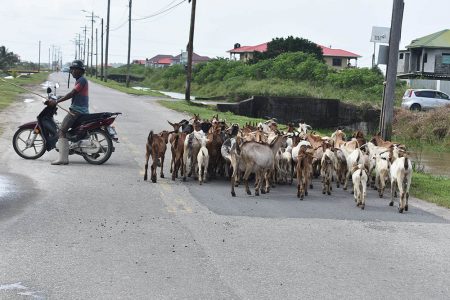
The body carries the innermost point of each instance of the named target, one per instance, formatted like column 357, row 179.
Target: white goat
column 382, row 172
column 359, row 178
column 202, row 160
column 401, row 173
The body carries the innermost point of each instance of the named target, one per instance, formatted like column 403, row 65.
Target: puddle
column 28, row 100
column 434, row 163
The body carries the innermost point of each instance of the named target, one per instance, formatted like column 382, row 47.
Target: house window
column 446, row 58
column 401, row 55
column 425, row 57
column 337, row 62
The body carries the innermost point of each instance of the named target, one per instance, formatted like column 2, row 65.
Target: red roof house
column 336, row 58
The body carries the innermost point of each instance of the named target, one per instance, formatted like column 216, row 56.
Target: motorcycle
column 91, row 136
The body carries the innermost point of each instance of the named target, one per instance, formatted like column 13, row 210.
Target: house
column 336, row 58
column 163, row 60
column 159, row 61
column 138, row 62
column 428, row 56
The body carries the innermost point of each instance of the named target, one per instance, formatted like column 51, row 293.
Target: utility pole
column 84, row 44
column 96, row 52
column 107, row 41
column 129, row 44
column 79, row 46
column 387, row 112
column 101, row 57
column 49, row 58
column 92, row 36
column 87, row 61
column 190, row 50
column 39, row 63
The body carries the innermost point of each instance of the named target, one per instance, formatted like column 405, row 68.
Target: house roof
column 440, row 39
column 157, row 58
column 165, row 61
column 259, row 48
column 326, row 51
column 337, row 52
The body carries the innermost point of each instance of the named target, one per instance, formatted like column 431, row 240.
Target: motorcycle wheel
column 23, row 146
column 106, row 147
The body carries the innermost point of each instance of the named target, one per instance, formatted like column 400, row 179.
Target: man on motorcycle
column 79, row 106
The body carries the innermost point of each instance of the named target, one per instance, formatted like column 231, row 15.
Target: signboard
column 380, row 35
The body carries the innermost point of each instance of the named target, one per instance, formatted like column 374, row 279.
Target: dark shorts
column 68, row 122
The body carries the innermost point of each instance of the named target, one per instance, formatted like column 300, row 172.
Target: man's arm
column 68, row 96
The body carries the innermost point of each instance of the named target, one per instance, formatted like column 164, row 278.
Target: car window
column 426, row 94
column 441, row 95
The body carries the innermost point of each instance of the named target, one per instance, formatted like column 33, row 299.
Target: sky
column 344, row 24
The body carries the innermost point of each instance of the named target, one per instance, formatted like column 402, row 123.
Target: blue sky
column 219, row 24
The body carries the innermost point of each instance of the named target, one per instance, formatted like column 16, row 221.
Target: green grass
column 121, row 87
column 9, row 93
column 435, row 189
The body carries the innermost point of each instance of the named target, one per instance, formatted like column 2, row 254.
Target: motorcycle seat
column 87, row 118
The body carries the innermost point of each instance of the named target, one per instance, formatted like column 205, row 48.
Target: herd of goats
column 212, row 148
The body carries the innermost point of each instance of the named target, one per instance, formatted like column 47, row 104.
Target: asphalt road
column 101, row 232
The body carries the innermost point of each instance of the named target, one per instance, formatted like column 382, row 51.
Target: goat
column 338, row 137
column 304, row 169
column 340, row 167
column 156, row 147
column 177, row 154
column 202, row 160
column 359, row 179
column 354, row 158
column 381, row 173
column 401, row 173
column 327, row 170
column 258, row 158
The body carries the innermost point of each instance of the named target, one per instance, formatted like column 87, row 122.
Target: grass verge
column 9, row 93
column 121, row 87
column 435, row 189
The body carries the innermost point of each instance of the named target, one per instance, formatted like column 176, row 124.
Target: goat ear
column 171, row 124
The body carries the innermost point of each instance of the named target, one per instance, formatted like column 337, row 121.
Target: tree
column 281, row 45
column 7, row 59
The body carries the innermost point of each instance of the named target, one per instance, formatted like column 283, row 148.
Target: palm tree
column 7, row 59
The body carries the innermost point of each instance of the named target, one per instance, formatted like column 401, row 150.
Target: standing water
column 433, row 163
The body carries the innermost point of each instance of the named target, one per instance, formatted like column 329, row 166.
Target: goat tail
column 150, row 137
column 406, row 164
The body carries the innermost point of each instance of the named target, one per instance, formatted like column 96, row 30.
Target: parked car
column 424, row 99
column 66, row 69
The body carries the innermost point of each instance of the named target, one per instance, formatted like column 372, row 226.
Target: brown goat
column 304, row 169
column 156, row 147
column 177, row 147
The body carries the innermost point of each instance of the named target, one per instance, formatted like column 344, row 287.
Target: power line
column 160, row 9
column 150, row 16
column 160, row 12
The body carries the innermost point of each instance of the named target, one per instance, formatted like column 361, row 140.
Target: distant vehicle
column 424, row 99
column 66, row 69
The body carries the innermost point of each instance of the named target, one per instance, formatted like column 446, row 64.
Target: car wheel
column 416, row 107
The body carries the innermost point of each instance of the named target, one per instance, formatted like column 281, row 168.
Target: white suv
column 424, row 99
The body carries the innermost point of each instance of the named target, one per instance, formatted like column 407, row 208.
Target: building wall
column 329, row 61
column 402, row 62
column 430, row 64
column 440, row 68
